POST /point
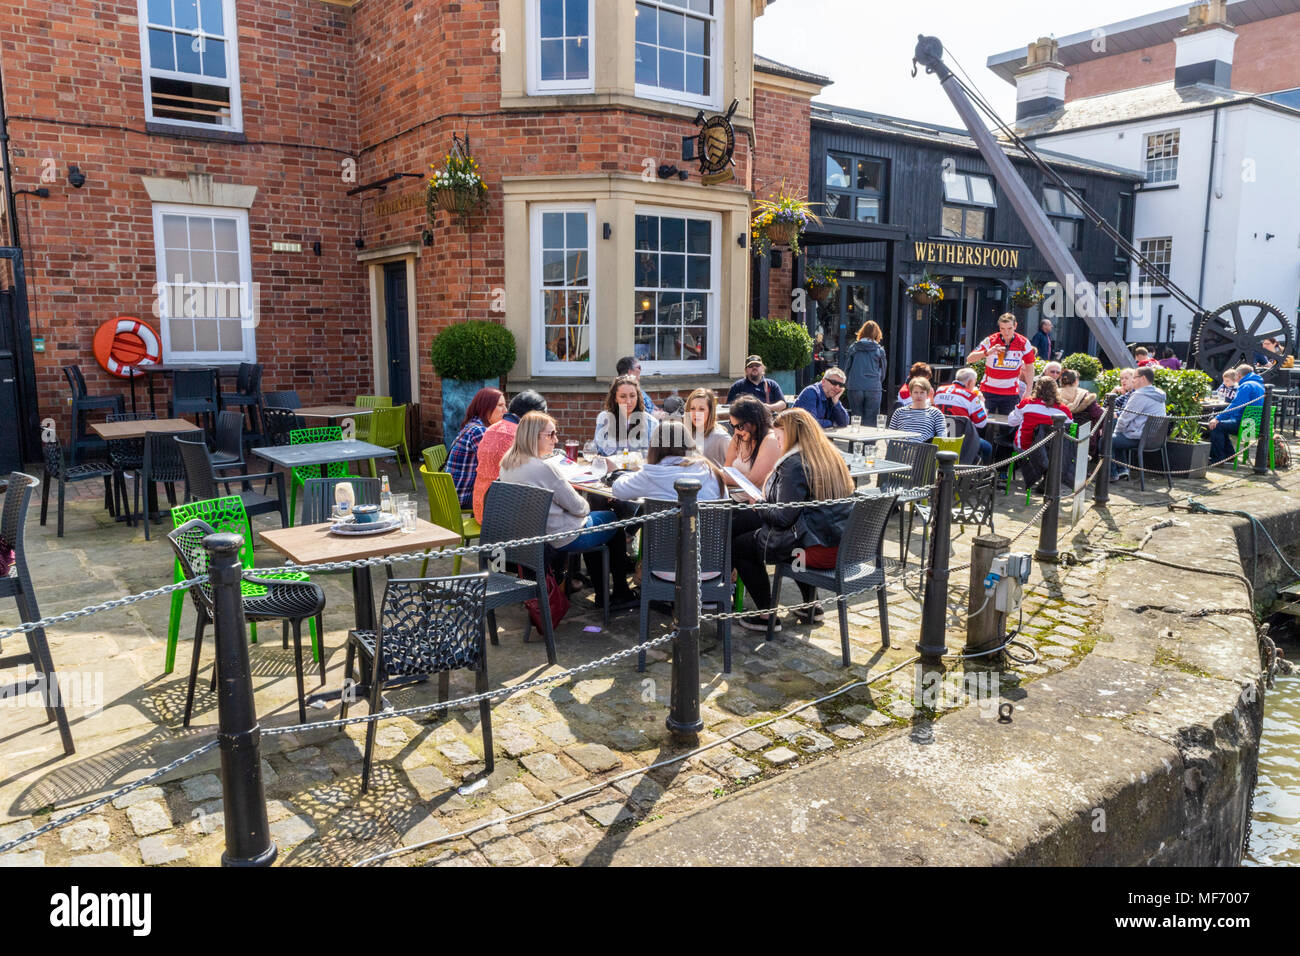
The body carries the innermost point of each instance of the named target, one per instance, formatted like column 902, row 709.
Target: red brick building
column 225, row 141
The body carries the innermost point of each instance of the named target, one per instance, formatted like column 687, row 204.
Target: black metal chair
column 427, row 626
column 83, row 402
column 247, row 395
column 318, row 496
column 17, row 584
column 194, row 392
column 859, row 567
column 281, row 599
column 659, row 567
column 228, row 451
column 201, row 483
column 162, row 463
column 912, row 487
column 1154, row 441
column 278, row 423
column 126, row 454
column 288, row 398
column 512, row 512
column 58, row 470
column 973, row 496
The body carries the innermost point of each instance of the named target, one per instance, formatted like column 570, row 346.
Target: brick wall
column 782, row 128
column 1266, row 57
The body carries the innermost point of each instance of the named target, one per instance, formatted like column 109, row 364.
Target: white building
column 1220, row 209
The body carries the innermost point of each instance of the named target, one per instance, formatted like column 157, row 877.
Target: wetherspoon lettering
column 953, row 254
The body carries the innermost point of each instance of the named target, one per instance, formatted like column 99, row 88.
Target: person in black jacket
column 811, row 469
column 865, row 370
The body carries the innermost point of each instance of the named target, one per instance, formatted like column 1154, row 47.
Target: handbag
column 6, row 557
column 555, row 597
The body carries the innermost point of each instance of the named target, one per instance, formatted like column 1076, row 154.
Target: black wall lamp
column 668, row 172
column 76, row 178
column 608, row 231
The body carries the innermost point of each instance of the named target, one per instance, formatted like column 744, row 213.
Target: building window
column 562, row 240
column 1159, row 252
column 675, row 44
column 207, row 302
column 968, row 206
column 675, row 325
column 191, row 63
column 1162, row 157
column 855, row 187
column 1065, row 215
column 559, row 45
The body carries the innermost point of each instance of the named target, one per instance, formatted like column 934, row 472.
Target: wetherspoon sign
column 967, row 254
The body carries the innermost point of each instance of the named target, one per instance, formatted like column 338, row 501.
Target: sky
column 866, row 46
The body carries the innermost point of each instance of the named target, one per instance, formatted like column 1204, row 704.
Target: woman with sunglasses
column 754, row 447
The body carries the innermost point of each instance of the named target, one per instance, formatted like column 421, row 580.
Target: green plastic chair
column 388, row 430
column 444, row 511
column 335, row 469
column 1248, row 431
column 363, row 422
column 435, row 457
column 227, row 515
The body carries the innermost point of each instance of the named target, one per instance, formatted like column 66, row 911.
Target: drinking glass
column 598, row 466
column 590, row 451
column 856, row 422
column 858, row 455
column 407, row 512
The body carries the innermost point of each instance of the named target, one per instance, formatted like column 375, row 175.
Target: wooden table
column 332, row 412
column 114, row 431
column 315, row 544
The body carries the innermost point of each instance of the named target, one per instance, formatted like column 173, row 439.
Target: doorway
column 839, row 320
column 397, row 332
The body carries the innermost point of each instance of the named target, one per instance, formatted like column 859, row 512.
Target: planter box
column 456, row 396
column 1189, row 457
column 786, row 379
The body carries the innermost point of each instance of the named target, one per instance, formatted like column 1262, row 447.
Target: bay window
column 677, row 51
column 563, row 238
column 675, row 312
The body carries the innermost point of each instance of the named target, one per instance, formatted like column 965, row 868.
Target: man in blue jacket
column 1250, row 393
column 821, row 400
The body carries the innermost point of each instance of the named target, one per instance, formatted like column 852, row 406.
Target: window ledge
column 605, row 99
column 653, row 384
column 1157, row 187
column 191, row 132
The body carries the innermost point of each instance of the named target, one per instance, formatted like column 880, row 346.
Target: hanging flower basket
column 926, row 290
column 456, row 186
column 780, row 233
column 458, row 199
column 780, row 221
column 820, row 293
column 821, row 281
column 1027, row 295
column 924, row 298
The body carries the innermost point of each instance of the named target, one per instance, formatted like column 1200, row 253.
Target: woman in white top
column 624, row 422
column 754, row 447
column 710, row 438
column 672, row 456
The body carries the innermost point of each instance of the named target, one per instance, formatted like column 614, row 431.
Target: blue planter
column 786, row 380
column 456, row 396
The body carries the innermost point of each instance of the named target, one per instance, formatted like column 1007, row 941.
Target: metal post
column 684, row 721
column 1047, row 530
column 934, row 607
column 1265, row 433
column 248, row 835
column 984, row 623
column 1107, row 437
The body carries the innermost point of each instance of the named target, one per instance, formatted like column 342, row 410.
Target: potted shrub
column 784, row 345
column 925, row 290
column 821, row 282
column 456, row 186
column 1189, row 451
column 469, row 356
column 780, row 221
column 1087, row 366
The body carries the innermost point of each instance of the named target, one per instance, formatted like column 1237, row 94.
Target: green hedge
column 783, row 344
column 1184, row 388
column 474, row 351
column 1088, row 366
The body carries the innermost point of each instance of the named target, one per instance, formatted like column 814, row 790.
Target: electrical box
column 1006, row 581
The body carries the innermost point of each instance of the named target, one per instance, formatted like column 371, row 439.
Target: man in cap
column 754, row 383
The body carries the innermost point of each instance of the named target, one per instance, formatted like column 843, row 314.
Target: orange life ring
column 125, row 343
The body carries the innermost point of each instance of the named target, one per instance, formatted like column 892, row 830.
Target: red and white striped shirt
column 1028, row 415
column 960, row 402
column 1002, row 371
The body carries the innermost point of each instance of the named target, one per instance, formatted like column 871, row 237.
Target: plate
column 354, row 530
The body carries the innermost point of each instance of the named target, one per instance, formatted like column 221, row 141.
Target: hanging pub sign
column 966, row 254
column 714, row 146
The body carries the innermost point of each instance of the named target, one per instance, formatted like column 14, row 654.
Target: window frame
column 1147, row 160
column 536, row 86
column 967, row 205
column 881, row 196
column 147, row 70
column 1056, row 218
column 1144, row 280
column 541, row 365
column 666, row 95
column 249, row 327
column 713, row 324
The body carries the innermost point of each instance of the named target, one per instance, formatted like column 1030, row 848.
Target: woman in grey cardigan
column 865, row 370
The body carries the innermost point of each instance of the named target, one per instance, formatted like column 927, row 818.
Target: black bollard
column 934, row 606
column 1265, row 433
column 684, row 714
column 248, row 835
column 1047, row 529
column 1105, row 451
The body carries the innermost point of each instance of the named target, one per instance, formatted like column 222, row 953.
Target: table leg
column 364, row 603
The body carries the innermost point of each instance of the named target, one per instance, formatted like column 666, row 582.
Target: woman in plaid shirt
column 487, row 408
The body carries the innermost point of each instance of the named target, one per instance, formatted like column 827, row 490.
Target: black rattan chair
column 82, row 402
column 228, row 451
column 1154, row 441
column 287, row 398
column 247, row 394
column 912, row 487
column 201, row 483
column 512, row 512
column 280, row 599
column 659, row 567
column 427, row 626
column 57, row 470
column 859, row 567
column 973, row 497
column 162, row 463
column 278, row 423
column 17, row 584
column 194, row 392
column 126, row 454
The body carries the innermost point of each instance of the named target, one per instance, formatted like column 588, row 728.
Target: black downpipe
column 1209, row 193
column 11, row 199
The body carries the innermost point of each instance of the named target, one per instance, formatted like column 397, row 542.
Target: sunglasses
column 551, row 434
column 833, row 381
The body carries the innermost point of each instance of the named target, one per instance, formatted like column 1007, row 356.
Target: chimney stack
column 1203, row 48
column 1040, row 83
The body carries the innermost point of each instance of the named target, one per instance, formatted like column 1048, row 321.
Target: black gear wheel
column 1235, row 334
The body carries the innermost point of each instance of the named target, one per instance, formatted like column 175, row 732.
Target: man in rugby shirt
column 1008, row 361
column 961, row 400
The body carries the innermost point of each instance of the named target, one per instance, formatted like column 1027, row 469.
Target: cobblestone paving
column 551, row 742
